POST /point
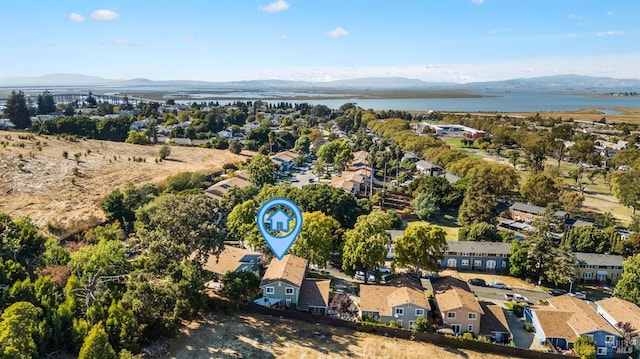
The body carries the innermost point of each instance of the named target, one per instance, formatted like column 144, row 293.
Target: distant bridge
column 111, row 98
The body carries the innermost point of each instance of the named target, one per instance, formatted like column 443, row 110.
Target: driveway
column 521, row 336
column 303, row 178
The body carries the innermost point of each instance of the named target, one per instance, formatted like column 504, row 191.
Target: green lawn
column 455, row 142
column 447, row 223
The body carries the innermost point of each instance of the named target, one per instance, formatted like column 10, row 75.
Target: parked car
column 360, row 276
column 384, row 270
column 520, row 297
column 477, row 281
column 557, row 292
column 431, row 275
column 578, row 295
column 498, row 285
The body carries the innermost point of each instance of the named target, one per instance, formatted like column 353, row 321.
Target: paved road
column 303, row 178
column 497, row 295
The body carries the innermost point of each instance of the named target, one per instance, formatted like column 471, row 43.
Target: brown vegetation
column 62, row 195
column 261, row 336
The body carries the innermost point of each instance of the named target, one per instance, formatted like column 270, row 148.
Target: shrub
column 467, row 336
column 528, row 327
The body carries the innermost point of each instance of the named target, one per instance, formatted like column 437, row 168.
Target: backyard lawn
column 447, row 223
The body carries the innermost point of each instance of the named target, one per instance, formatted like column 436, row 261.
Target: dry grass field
column 260, row 336
column 36, row 180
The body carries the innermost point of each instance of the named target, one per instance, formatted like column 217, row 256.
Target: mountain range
column 575, row 83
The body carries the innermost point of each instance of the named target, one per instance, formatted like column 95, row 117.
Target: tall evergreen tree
column 96, row 344
column 16, row 110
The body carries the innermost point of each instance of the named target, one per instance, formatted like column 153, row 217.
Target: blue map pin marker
column 279, row 221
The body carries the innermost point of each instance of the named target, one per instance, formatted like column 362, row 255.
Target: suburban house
column 595, row 267
column 428, row 168
column 478, row 256
column 565, row 319
column 493, row 323
column 219, row 189
column 284, row 161
column 314, row 296
column 457, row 305
column 352, row 181
column 283, row 285
column 233, row 259
column 615, row 310
column 360, row 159
column 528, row 213
column 402, row 299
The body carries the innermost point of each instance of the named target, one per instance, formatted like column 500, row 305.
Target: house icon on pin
column 279, row 221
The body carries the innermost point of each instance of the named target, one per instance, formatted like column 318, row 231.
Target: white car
column 520, row 297
column 360, row 276
column 384, row 270
column 498, row 285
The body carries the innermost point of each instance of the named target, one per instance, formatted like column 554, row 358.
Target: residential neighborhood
column 446, row 229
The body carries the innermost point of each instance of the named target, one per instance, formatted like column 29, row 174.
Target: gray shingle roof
column 598, row 259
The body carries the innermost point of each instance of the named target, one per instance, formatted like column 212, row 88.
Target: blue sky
column 224, row 40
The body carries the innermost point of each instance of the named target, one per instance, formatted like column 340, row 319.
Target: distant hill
column 546, row 83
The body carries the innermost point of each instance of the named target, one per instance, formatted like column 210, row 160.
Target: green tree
column 478, row 232
column 96, row 345
column 137, row 138
column 628, row 287
column 174, row 227
column 426, row 205
column 122, row 327
column 562, row 268
column 541, row 189
column 587, row 239
column 303, row 144
column 46, row 104
column 336, row 152
column 235, row 147
column 241, row 286
column 241, row 224
column 626, row 186
column 476, row 205
column 54, row 253
column 366, row 244
column 585, row 347
column 420, row 247
column 315, row 241
column 108, row 257
column 184, row 181
column 571, row 201
column 262, row 171
column 18, row 331
column 113, row 207
column 164, row 152
column 16, row 110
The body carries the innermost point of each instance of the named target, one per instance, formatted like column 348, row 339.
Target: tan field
column 260, row 336
column 66, row 193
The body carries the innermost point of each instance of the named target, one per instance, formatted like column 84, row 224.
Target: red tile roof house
column 283, row 285
column 403, row 300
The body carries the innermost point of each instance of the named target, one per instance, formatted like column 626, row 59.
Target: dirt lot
column 258, row 336
column 36, row 179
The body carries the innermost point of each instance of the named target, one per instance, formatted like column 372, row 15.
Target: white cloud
column 103, row 14
column 572, row 35
column 122, row 42
column 478, row 2
column 610, row 13
column 609, row 33
column 276, row 6
column 76, row 17
column 492, row 32
column 337, row 32
column 189, row 38
column 282, row 37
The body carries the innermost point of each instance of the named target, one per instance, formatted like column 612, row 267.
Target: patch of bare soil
column 36, row 180
column 261, row 336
